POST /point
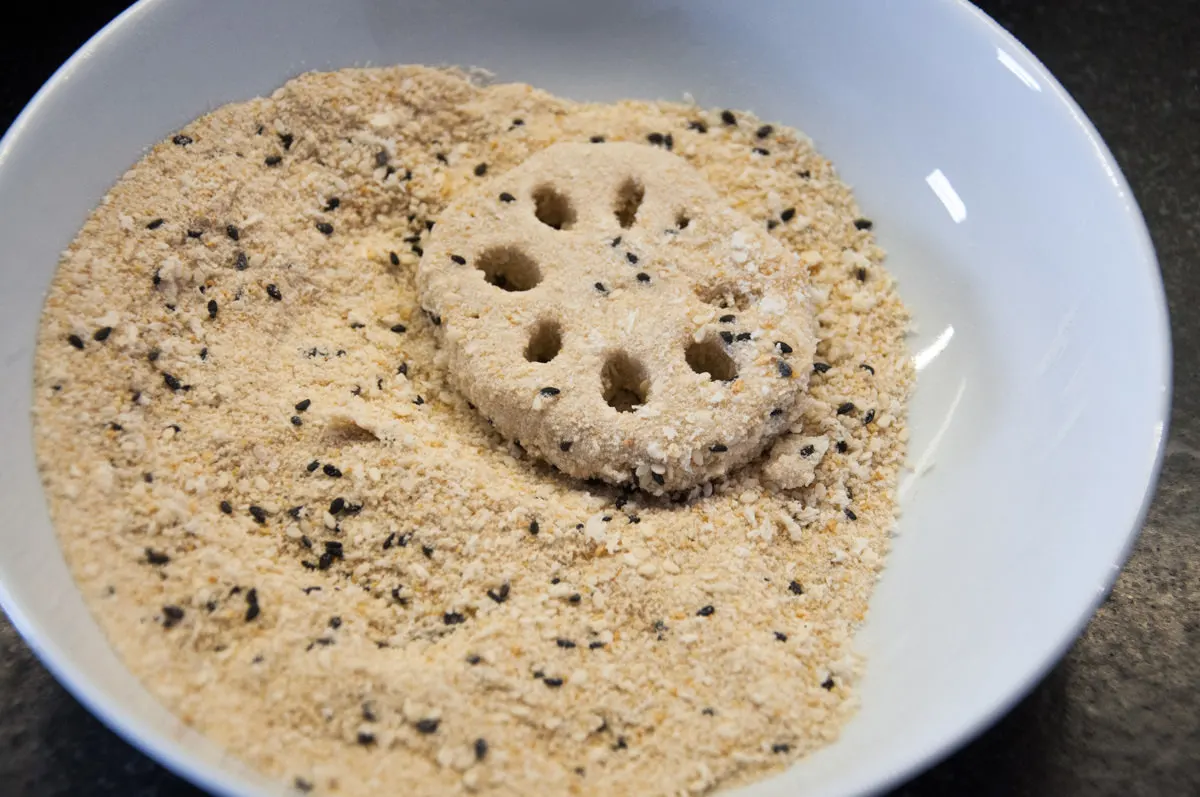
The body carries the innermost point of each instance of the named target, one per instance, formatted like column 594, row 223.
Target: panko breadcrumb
column 313, row 550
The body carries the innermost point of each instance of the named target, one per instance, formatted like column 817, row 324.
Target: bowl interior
column 1041, row 328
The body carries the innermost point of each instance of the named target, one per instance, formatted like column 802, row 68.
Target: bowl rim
column 173, row 754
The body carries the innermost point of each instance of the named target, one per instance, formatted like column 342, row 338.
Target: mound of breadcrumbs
column 310, row 548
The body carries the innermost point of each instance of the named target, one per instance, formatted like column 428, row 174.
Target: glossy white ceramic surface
column 1042, row 341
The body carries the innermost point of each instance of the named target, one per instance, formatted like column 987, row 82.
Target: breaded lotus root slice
column 602, row 305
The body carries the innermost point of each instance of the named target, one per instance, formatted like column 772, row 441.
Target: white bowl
column 1042, row 346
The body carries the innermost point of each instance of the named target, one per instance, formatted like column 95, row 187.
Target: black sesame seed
column 827, row 684
column 772, row 224
column 718, row 448
column 295, row 511
column 868, row 369
column 658, row 478
column 597, row 139
column 553, row 683
column 429, row 226
column 399, row 328
column 302, row 785
column 861, row 274
column 616, row 241
column 273, row 292
column 795, row 588
column 226, row 507
column 669, row 141
column 842, row 448
column 459, row 259
column 600, row 287
column 332, row 471
column 727, row 319
column 565, row 445
column 394, row 258
column 533, row 527
column 821, row 368
column 365, row 738
column 595, row 645
column 194, row 233
column 418, row 251
column 708, row 712
column 775, row 413
column 788, row 214
column 252, row 608
column 518, row 122
column 785, row 370
column 333, row 203
column 575, row 598
column 427, row 726
column 453, row 618
column 204, row 353
column 403, row 369
column 507, row 197
column 116, row 427
column 181, row 140
column 258, row 513
column 75, row 341
column 154, row 224
column 334, row 549
column 297, row 420
column 643, row 277
column 699, row 127
column 212, row 308
column 240, row 262
column 656, row 139
column 480, row 169
column 273, row 160
column 564, row 643
column 804, row 175
column 808, row 451
column 631, row 257
column 870, row 416
column 780, row 636
column 550, row 391
column 850, row 513
column 760, row 151
column 863, row 224
column 481, row 749
column 286, row 139
column 441, row 157
column 325, row 228
column 727, row 336
column 157, row 280
column 743, row 336
column 381, row 158
column 154, row 557
column 845, row 409
column 303, row 405
column 172, row 616
column 499, row 595
column 728, row 118
column 312, row 466
column 172, row 382
column 474, row 659
column 764, row 131
column 781, row 748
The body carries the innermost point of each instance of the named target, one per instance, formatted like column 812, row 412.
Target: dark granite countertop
column 1120, row 714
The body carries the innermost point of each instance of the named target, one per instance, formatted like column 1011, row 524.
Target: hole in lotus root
column 624, row 382
column 509, row 268
column 552, row 208
column 629, row 201
column 709, row 357
column 545, row 342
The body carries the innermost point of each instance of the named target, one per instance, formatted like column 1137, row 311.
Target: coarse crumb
column 388, row 597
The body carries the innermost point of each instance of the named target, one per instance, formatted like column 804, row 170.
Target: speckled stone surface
column 1120, row 715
